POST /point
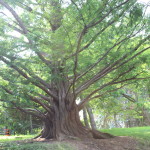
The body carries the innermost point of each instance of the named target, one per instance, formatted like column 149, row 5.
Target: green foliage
column 46, row 43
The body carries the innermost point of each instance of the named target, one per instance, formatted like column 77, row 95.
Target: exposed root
column 38, row 136
column 92, row 134
column 100, row 135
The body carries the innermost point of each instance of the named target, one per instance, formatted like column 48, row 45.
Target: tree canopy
column 54, row 53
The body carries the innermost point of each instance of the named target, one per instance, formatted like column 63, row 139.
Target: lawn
column 4, row 138
column 141, row 133
column 6, row 143
column 137, row 132
column 35, row 146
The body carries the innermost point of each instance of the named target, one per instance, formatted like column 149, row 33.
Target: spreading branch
column 21, row 24
column 34, row 113
column 109, row 68
column 112, row 82
column 22, row 73
column 32, row 98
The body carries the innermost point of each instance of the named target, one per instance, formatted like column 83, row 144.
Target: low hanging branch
column 27, row 77
column 34, row 99
column 32, row 112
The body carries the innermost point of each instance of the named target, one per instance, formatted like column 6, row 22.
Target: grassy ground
column 4, row 138
column 35, row 146
column 141, row 133
column 6, row 143
column 137, row 132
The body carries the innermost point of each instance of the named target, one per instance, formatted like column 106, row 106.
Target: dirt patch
column 116, row 143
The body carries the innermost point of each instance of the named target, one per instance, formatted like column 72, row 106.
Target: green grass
column 6, row 143
column 35, row 146
column 142, row 134
column 4, row 138
column 137, row 132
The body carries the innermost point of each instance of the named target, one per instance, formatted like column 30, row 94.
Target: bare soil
column 116, row 143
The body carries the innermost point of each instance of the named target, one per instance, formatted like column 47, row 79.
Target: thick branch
column 101, row 58
column 40, row 116
column 85, row 100
column 15, row 28
column 37, row 100
column 118, row 63
column 21, row 24
column 27, row 77
column 34, row 99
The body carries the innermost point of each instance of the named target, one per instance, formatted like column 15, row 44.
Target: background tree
column 53, row 51
column 127, row 107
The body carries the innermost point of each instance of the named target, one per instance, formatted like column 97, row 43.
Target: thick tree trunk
column 63, row 120
column 64, row 124
column 67, row 124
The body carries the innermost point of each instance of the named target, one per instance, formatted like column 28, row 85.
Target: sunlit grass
column 7, row 144
column 35, row 146
column 137, row 132
column 4, row 138
column 142, row 134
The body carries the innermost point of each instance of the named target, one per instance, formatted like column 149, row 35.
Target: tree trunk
column 63, row 120
column 64, row 123
column 91, row 116
column 67, row 124
column 31, row 125
column 85, row 118
column 105, row 121
column 116, row 122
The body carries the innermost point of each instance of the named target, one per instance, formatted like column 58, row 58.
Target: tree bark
column 31, row 125
column 63, row 120
column 67, row 124
column 85, row 118
column 91, row 116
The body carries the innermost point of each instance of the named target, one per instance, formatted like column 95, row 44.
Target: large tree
column 54, row 52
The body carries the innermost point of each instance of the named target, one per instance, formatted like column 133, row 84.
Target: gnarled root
column 100, row 135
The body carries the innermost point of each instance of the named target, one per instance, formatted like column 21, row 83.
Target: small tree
column 53, row 51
